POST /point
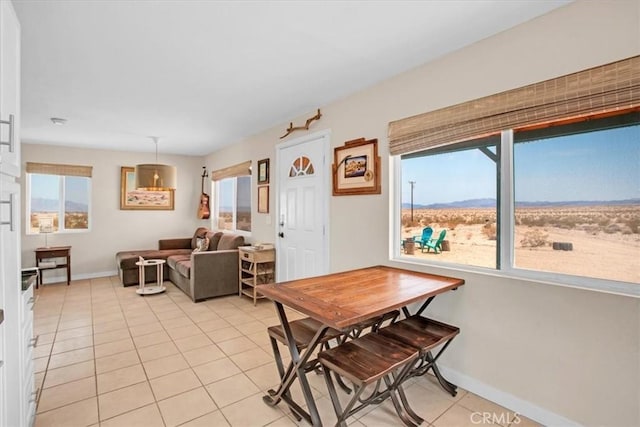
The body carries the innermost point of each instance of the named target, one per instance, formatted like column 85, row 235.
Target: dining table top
column 342, row 300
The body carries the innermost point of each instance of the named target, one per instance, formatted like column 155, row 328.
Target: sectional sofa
column 199, row 271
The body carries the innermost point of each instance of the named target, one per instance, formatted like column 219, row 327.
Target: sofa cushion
column 174, row 259
column 200, row 232
column 214, row 238
column 230, row 241
column 127, row 259
column 183, row 267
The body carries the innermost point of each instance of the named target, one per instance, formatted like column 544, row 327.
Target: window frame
column 61, row 211
column 506, row 231
column 215, row 190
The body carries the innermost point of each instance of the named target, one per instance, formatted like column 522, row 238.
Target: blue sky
column 47, row 187
column 603, row 165
column 226, row 194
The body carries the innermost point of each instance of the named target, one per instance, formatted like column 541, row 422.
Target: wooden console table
column 50, row 253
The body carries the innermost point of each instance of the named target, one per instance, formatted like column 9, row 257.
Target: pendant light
column 155, row 177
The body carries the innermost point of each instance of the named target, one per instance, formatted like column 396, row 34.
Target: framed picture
column 356, row 168
column 132, row 199
column 263, row 171
column 263, row 199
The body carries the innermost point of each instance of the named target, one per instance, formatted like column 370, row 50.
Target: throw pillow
column 202, row 244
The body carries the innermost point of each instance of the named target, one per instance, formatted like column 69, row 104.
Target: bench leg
column 341, row 415
column 405, row 403
column 402, row 409
column 450, row 387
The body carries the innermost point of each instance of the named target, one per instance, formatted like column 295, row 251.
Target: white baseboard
column 513, row 403
column 57, row 278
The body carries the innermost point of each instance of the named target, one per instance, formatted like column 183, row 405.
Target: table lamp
column 45, row 227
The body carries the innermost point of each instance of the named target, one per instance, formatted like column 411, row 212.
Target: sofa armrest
column 182, row 243
column 214, row 273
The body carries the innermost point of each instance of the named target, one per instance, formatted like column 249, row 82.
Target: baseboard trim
column 50, row 278
column 513, row 403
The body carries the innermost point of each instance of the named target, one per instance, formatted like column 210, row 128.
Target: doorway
column 302, row 207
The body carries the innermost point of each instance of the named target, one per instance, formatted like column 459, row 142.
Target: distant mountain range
column 491, row 203
column 51, row 205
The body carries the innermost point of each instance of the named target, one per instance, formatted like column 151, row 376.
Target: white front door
column 302, row 207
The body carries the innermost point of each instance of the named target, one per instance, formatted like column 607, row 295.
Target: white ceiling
column 204, row 74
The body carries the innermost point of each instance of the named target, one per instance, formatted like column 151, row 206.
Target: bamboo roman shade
column 240, row 169
column 604, row 89
column 58, row 169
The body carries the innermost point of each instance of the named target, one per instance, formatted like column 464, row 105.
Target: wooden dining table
column 342, row 301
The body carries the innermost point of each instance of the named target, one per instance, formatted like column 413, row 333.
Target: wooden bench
column 425, row 335
column 303, row 331
column 363, row 361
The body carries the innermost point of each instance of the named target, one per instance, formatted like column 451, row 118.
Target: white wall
column 112, row 229
column 557, row 354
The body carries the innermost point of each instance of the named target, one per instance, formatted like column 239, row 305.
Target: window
column 232, row 203
column 232, row 198
column 454, row 193
column 577, row 199
column 57, row 202
column 572, row 194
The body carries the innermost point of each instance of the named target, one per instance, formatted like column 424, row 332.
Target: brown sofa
column 210, row 273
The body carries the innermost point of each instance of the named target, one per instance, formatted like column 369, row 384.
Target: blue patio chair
column 435, row 244
column 422, row 240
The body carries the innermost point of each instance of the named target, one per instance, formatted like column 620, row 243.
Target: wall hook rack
column 291, row 128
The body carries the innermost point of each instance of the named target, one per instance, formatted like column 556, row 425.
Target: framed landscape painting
column 356, row 168
column 132, row 199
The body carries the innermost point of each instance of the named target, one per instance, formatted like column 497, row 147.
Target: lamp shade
column 155, row 177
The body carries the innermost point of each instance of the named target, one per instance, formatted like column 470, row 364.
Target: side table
column 44, row 254
column 256, row 267
column 150, row 290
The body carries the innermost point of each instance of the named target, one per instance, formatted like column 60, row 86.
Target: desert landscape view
column 72, row 220
column 605, row 240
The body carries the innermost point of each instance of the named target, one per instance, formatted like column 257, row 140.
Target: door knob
column 281, row 234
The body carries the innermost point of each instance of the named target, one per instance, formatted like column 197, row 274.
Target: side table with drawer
column 45, row 260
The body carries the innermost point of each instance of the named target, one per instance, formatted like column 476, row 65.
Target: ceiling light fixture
column 155, row 177
column 58, row 121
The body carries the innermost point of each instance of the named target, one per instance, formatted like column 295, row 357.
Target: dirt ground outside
column 611, row 256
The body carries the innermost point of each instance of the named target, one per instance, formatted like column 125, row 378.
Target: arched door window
column 301, row 166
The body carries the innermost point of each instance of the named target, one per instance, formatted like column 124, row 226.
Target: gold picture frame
column 356, row 168
column 133, row 199
column 263, row 199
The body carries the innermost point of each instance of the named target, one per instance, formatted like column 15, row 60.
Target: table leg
column 297, row 371
column 141, row 279
column 68, row 270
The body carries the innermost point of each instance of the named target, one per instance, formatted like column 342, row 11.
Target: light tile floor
column 107, row 356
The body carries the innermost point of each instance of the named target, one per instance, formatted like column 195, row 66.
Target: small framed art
column 263, row 199
column 263, row 171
